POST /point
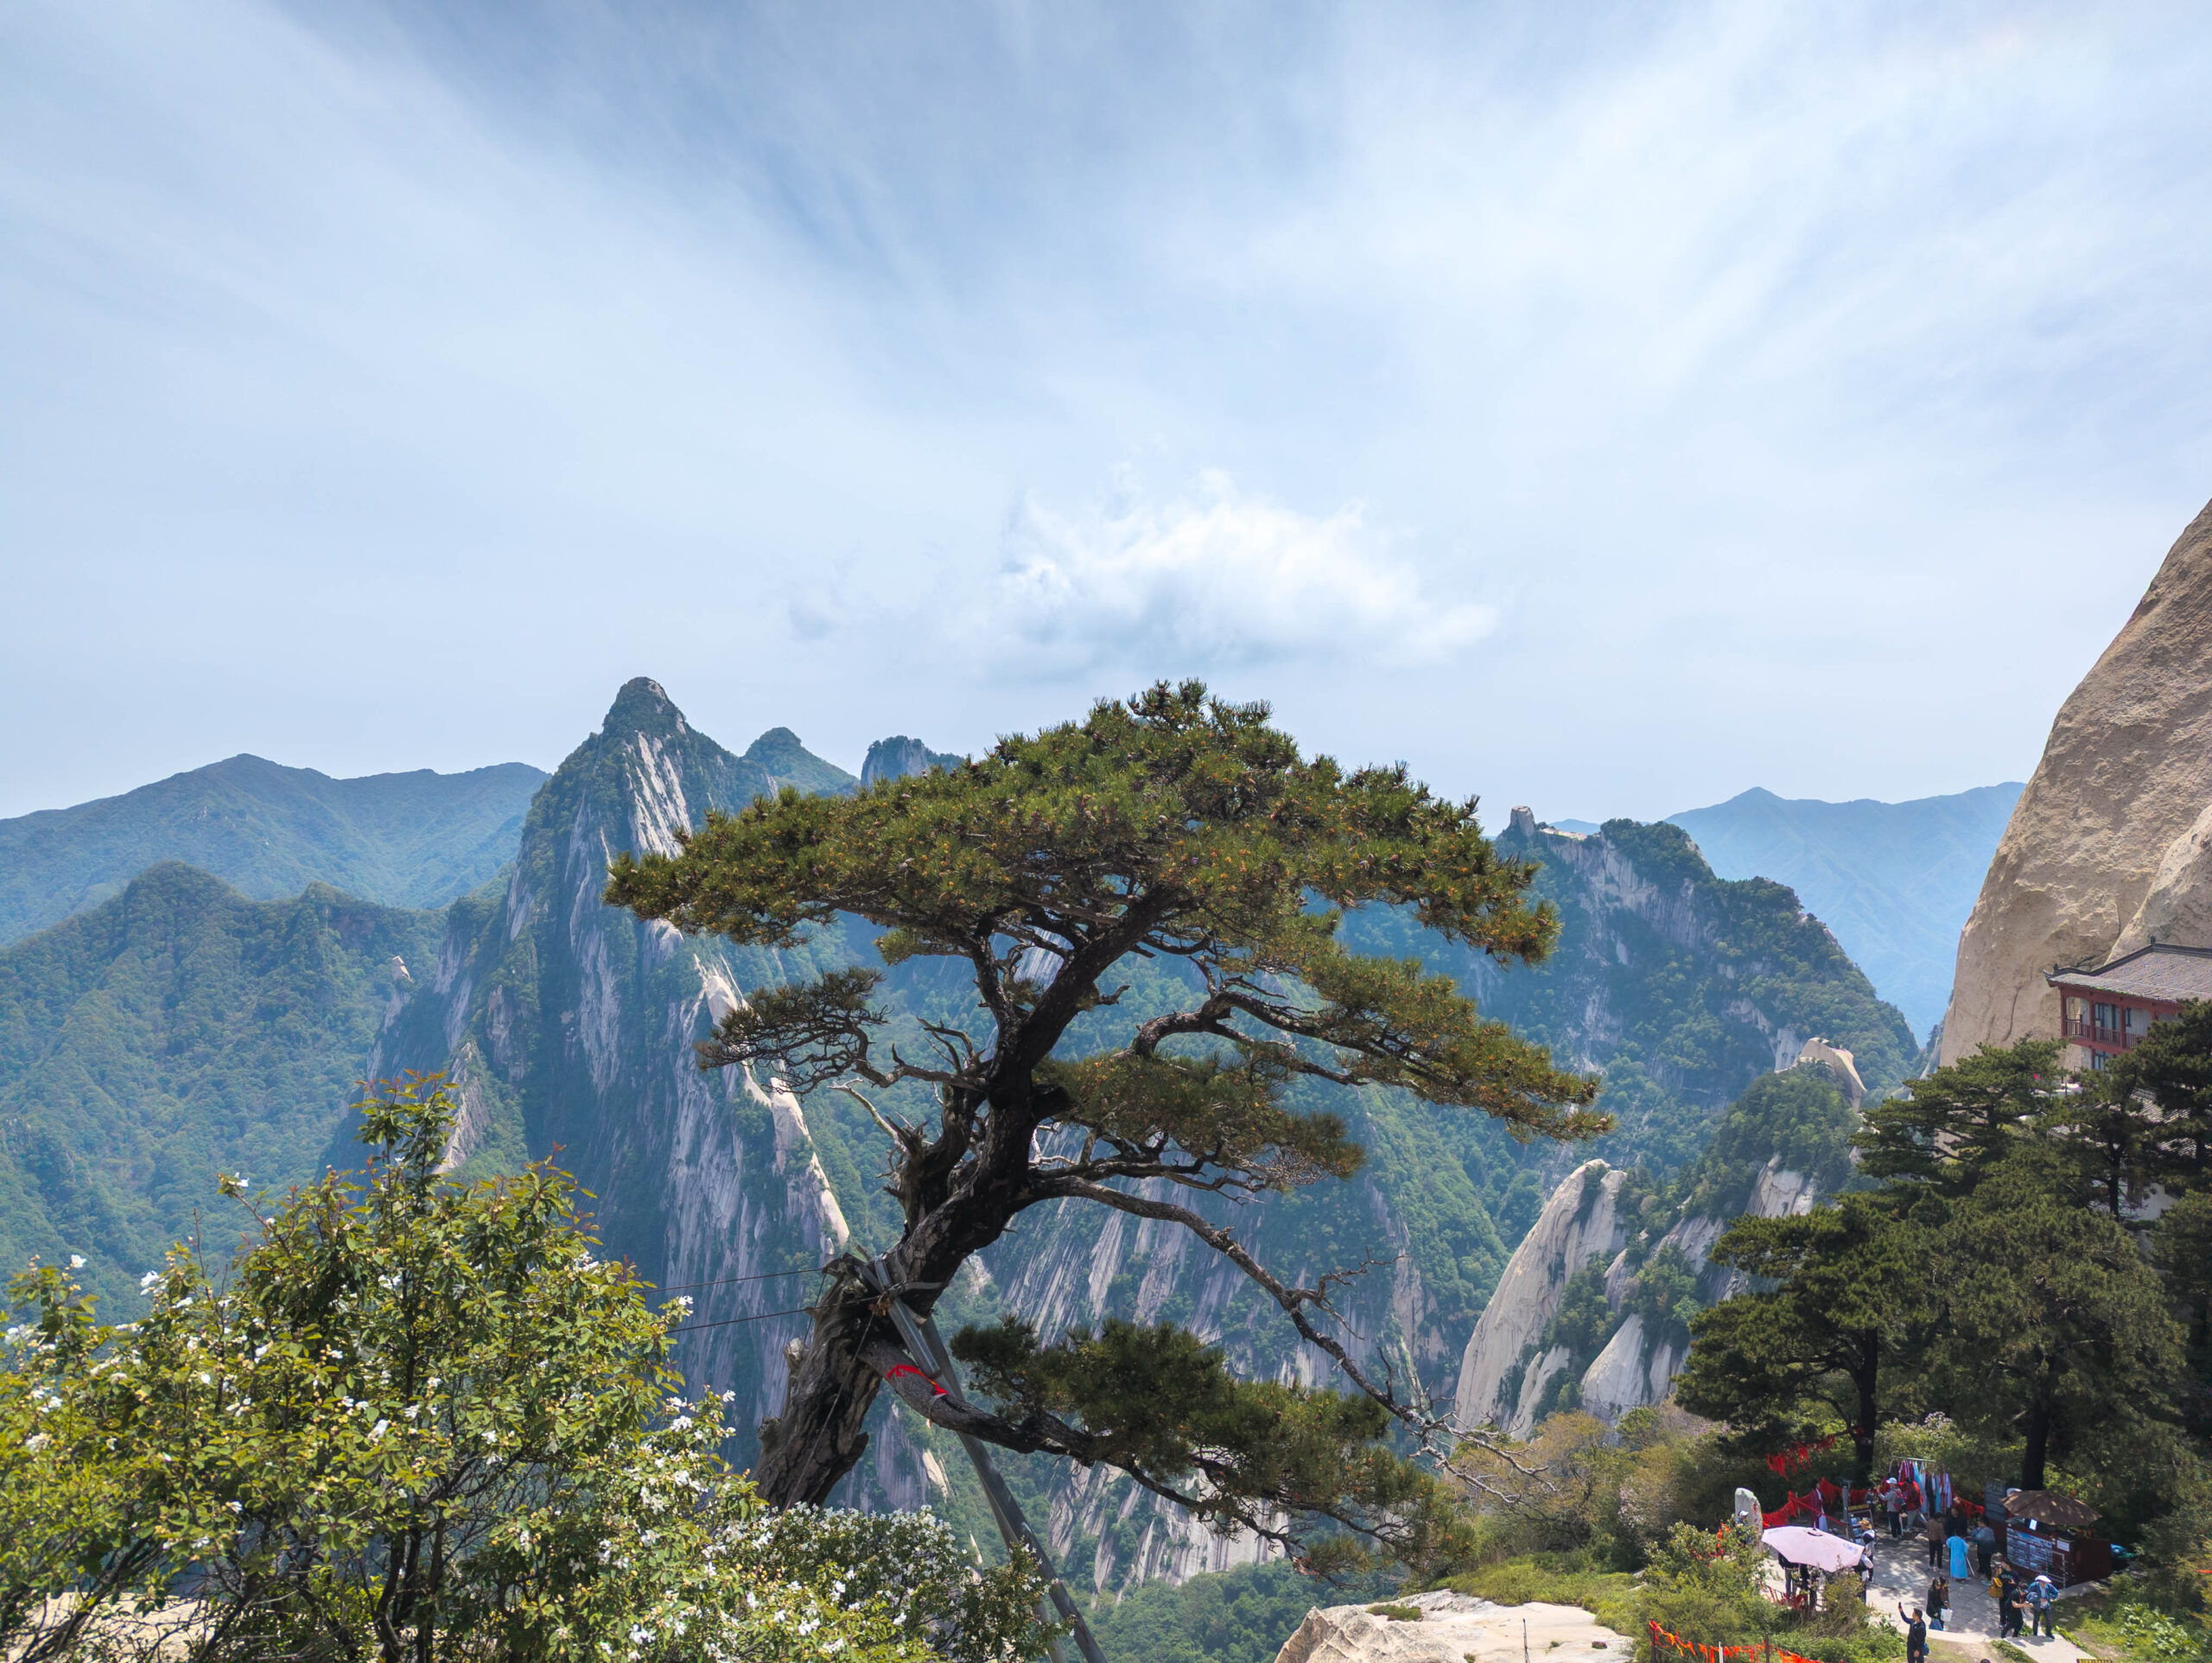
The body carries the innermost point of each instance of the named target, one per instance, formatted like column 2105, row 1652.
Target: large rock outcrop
column 1613, row 1346
column 570, row 1025
column 1580, row 1223
column 2107, row 844
column 1454, row 1628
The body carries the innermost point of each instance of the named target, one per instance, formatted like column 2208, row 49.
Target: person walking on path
column 1915, row 1636
column 2012, row 1606
column 1933, row 1532
column 1958, row 1548
column 1893, row 1504
column 1939, row 1601
column 2043, row 1593
column 1985, row 1545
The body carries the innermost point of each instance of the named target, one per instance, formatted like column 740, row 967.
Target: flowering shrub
column 907, row 1566
column 420, row 1420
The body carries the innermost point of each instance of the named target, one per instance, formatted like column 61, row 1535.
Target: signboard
column 2024, row 1550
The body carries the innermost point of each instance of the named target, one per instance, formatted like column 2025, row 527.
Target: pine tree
column 1849, row 1280
column 1178, row 827
column 1949, row 1125
column 2049, row 1318
column 2171, row 1067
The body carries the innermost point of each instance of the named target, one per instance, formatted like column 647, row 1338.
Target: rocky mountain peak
column 785, row 760
column 899, row 756
column 642, row 707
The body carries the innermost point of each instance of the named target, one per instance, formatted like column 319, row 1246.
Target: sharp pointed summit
column 643, row 707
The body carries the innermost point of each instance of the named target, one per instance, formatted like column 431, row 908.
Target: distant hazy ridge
column 414, row 840
column 1895, row 881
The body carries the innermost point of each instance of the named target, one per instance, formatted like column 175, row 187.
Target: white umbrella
column 1794, row 1545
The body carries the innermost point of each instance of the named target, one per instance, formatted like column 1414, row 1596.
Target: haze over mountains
column 179, row 1025
column 1895, row 881
column 416, row 839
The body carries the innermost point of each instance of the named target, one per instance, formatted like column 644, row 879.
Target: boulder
column 1454, row 1629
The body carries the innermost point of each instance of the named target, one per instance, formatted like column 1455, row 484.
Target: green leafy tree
column 1847, row 1280
column 417, row 1419
column 2107, row 1132
column 2182, row 1246
column 1664, row 1293
column 1177, row 828
column 1948, row 1127
column 2049, row 1319
column 2172, row 1066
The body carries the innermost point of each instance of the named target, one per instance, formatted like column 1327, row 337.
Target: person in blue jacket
column 2042, row 1593
column 1958, row 1548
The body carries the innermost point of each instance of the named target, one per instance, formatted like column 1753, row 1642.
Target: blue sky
column 1609, row 407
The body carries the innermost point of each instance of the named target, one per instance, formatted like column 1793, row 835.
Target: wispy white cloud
column 1212, row 578
column 1765, row 379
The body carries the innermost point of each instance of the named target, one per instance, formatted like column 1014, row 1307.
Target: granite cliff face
column 567, row 1024
column 2107, row 844
column 1591, row 1313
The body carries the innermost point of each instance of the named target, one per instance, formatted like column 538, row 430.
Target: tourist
column 1985, row 1545
column 1932, row 1531
column 1958, row 1549
column 1939, row 1601
column 1915, row 1636
column 2012, row 1607
column 1893, row 1504
column 2043, row 1593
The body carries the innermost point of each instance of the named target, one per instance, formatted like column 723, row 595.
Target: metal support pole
column 919, row 1336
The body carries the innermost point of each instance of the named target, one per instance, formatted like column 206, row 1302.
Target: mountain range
column 180, row 1025
column 409, row 839
column 1895, row 881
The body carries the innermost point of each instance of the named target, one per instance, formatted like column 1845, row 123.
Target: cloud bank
column 1216, row 579
column 1796, row 397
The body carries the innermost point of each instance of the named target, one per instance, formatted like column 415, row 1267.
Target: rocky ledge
column 1454, row 1629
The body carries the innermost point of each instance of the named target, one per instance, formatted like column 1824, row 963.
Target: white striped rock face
column 1578, row 1221
column 1454, row 1628
column 570, row 1025
column 2107, row 841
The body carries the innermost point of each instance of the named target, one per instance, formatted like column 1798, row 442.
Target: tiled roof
column 2161, row 972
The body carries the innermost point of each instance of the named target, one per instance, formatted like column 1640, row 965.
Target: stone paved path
column 1901, row 1576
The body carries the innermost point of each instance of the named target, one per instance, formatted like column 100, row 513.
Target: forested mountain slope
column 174, row 1029
column 416, row 839
column 570, row 1026
column 1895, row 881
column 1680, row 987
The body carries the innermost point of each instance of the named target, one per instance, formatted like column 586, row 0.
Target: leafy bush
column 419, row 1419
column 909, row 1566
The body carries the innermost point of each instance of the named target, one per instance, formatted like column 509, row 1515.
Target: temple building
column 2109, row 1008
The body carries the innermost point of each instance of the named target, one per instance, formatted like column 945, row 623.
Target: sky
column 1608, row 408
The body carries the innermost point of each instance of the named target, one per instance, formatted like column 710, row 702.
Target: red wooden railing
column 2091, row 1033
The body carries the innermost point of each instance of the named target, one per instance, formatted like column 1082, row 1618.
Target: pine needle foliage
column 1176, row 826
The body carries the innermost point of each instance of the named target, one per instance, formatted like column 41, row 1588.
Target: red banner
column 1663, row 1642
